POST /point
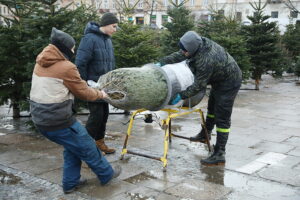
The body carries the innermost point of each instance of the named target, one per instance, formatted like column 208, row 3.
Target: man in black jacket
column 210, row 64
column 95, row 57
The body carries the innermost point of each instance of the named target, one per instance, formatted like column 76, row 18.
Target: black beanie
column 107, row 19
column 63, row 41
column 63, row 38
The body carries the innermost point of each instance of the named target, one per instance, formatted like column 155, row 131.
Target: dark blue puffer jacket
column 95, row 54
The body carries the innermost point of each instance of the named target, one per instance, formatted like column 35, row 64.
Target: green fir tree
column 134, row 46
column 291, row 41
column 13, row 62
column 181, row 22
column 262, row 38
column 226, row 32
column 297, row 67
column 26, row 34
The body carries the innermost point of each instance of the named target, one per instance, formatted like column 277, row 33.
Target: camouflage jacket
column 210, row 64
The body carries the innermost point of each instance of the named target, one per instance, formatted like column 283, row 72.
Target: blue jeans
column 79, row 146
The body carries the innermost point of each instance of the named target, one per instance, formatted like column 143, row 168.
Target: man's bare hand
column 105, row 96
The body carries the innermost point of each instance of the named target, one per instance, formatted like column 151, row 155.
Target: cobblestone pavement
column 262, row 161
column 21, row 185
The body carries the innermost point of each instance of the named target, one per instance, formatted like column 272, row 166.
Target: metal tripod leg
column 203, row 124
column 124, row 150
column 167, row 136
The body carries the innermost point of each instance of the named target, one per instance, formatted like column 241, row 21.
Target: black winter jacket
column 95, row 54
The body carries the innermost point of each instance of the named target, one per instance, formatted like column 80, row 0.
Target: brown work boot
column 102, row 146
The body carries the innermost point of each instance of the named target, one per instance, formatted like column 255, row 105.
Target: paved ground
column 263, row 156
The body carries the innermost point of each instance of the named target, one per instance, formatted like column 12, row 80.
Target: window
column 204, row 18
column 153, row 19
column 239, row 16
column 139, row 20
column 204, row 2
column 274, row 14
column 294, row 14
column 165, row 2
column 177, row 2
column 98, row 5
column 0, row 10
column 192, row 2
column 131, row 3
column 221, row 12
column 106, row 4
column 164, row 19
column 140, row 5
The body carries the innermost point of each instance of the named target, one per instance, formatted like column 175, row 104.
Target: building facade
column 154, row 12
column 4, row 12
column 280, row 11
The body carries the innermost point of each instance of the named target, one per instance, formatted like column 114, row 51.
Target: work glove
column 92, row 84
column 176, row 99
column 157, row 64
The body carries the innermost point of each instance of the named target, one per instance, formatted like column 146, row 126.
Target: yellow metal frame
column 172, row 113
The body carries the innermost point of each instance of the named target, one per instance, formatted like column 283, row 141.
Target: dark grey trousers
column 96, row 123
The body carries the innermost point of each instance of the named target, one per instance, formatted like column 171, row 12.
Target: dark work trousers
column 96, row 123
column 220, row 102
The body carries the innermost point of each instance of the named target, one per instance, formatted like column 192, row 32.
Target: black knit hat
column 63, row 41
column 62, row 37
column 107, row 19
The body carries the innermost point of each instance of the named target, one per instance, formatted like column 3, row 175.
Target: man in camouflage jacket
column 210, row 64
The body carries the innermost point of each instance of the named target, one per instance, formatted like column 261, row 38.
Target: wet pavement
column 262, row 161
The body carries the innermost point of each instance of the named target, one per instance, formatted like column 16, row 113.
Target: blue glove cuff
column 157, row 64
column 176, row 100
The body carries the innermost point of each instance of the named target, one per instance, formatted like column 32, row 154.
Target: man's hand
column 105, row 96
column 176, row 99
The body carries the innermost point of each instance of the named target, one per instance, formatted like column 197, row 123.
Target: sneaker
column 117, row 171
column 82, row 181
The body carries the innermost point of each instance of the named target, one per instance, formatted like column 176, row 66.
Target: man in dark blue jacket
column 95, row 57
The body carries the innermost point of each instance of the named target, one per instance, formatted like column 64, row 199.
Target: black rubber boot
column 218, row 157
column 200, row 137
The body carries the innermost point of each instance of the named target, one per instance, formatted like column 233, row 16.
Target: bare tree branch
column 291, row 6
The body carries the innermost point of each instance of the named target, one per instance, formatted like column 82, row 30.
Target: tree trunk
column 16, row 110
column 256, row 84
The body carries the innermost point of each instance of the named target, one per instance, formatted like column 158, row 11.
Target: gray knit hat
column 191, row 42
column 108, row 18
column 61, row 37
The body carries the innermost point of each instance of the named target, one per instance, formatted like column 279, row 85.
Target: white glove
column 92, row 84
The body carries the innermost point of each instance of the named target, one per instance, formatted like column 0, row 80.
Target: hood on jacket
column 191, row 42
column 92, row 27
column 49, row 56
